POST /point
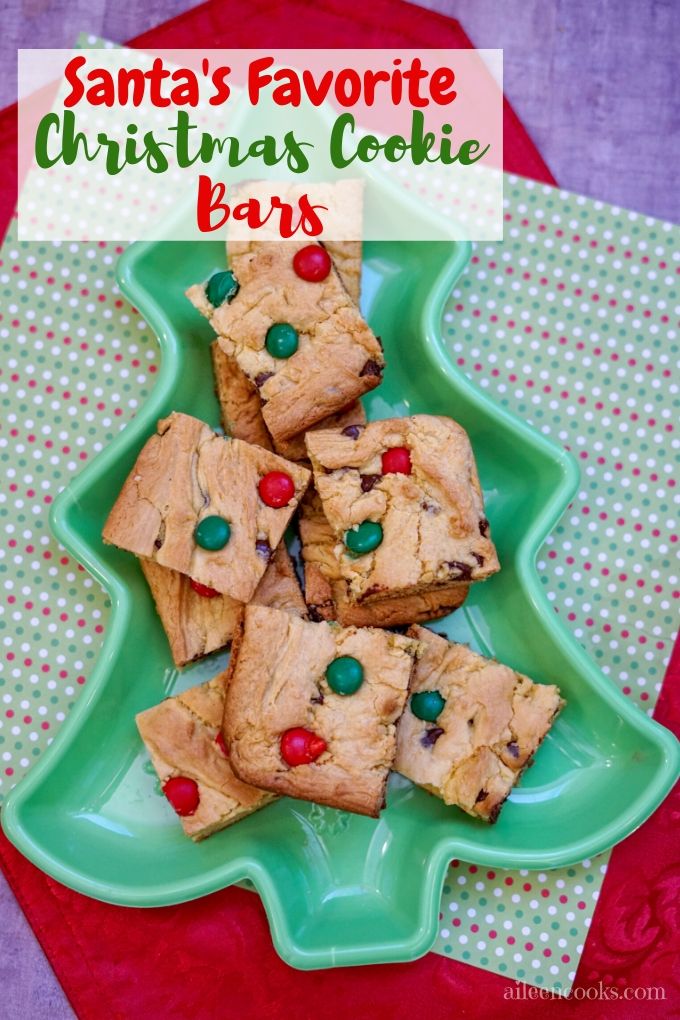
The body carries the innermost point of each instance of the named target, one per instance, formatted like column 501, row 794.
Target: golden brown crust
column 240, row 404
column 326, row 591
column 241, row 410
column 400, row 610
column 196, row 625
column 492, row 723
column 185, row 473
column 338, row 358
column 435, row 533
column 180, row 736
column 278, row 683
column 295, row 448
column 346, row 257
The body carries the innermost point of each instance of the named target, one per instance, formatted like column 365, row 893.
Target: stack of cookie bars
column 328, row 691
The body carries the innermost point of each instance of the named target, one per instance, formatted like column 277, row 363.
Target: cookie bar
column 404, row 502
column 296, row 333
column 206, row 506
column 295, row 448
column 240, row 404
column 326, row 591
column 199, row 620
column 311, row 708
column 239, row 398
column 184, row 739
column 241, row 409
column 471, row 725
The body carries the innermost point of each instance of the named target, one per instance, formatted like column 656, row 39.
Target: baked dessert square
column 239, row 398
column 209, row 507
column 326, row 590
column 199, row 620
column 403, row 499
column 311, row 708
column 241, row 409
column 295, row 448
column 183, row 736
column 471, row 725
column 285, row 316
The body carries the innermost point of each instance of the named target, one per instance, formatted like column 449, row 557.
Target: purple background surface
column 596, row 86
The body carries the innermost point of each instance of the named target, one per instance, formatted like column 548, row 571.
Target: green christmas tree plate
column 338, row 889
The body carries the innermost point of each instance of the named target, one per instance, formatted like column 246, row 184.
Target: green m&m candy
column 364, row 539
column 221, row 287
column 427, row 705
column 345, row 675
column 281, row 340
column 212, row 533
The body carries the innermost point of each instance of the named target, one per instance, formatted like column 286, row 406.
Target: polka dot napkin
column 569, row 321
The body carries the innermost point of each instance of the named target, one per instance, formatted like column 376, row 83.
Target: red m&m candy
column 203, row 589
column 312, row 263
column 276, row 489
column 396, row 461
column 301, row 747
column 182, row 793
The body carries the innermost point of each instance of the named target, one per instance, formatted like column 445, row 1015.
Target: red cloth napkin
column 214, row 956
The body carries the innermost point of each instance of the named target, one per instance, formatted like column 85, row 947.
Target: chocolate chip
column 371, row 368
column 368, row 481
column 319, row 699
column 157, row 544
column 513, row 749
column 479, row 558
column 462, row 571
column 263, row 549
column 482, row 795
column 352, row 431
column 314, row 614
column 261, row 379
column 431, row 736
column 430, row 508
column 484, row 527
column 160, row 537
column 471, row 722
column 373, row 590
